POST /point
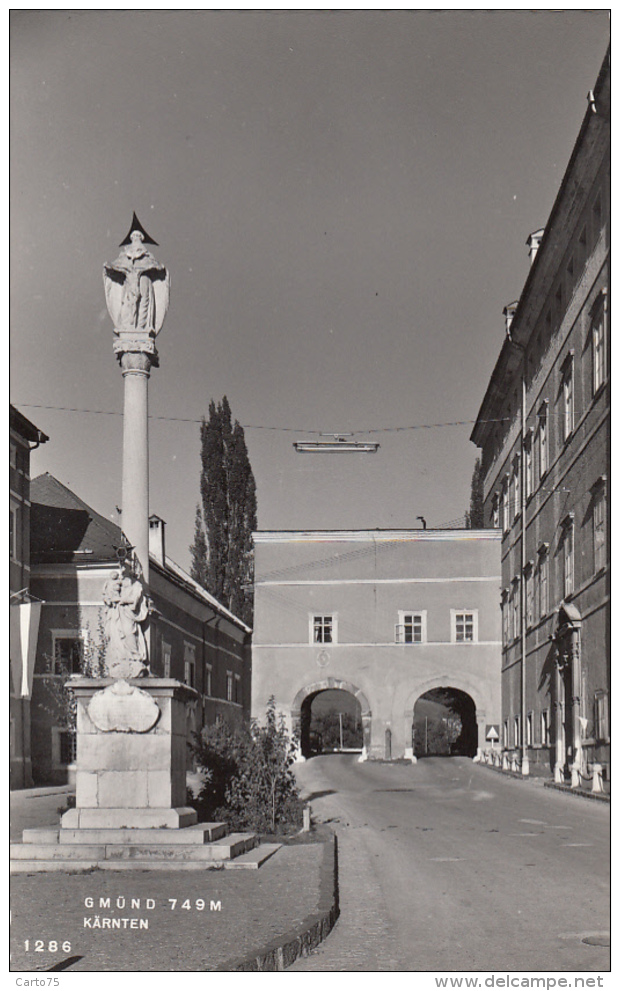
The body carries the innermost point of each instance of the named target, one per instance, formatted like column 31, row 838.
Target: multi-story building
column 192, row 637
column 385, row 615
column 544, row 431
column 24, row 611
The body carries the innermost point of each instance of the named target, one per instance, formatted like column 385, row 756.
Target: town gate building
column 544, row 431
column 386, row 615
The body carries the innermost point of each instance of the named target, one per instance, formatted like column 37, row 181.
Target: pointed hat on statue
column 137, row 226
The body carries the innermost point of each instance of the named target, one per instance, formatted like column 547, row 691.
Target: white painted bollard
column 575, row 776
column 597, row 778
column 504, row 761
column 306, row 826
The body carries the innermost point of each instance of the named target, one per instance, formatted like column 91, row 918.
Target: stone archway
column 300, row 711
column 476, row 713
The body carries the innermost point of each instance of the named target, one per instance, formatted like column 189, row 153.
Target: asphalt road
column 448, row 866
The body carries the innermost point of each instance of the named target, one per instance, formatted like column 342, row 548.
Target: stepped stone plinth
column 130, row 809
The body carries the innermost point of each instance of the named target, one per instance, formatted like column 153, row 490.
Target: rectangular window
column 568, row 399
column 68, row 653
column 568, row 559
column 324, row 629
column 543, row 585
column 599, row 513
column 544, row 727
column 529, row 597
column 543, row 454
column 411, row 627
column 14, row 514
column 229, row 686
column 189, row 664
column 237, row 686
column 166, row 653
column 598, row 352
column 516, row 609
column 506, row 734
column 208, row 685
column 601, row 715
column 516, row 474
column 529, row 467
column 496, row 511
column 464, row 626
column 529, row 730
column 505, row 514
column 505, row 620
column 517, row 730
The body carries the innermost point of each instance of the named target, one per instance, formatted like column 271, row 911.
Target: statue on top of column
column 137, row 286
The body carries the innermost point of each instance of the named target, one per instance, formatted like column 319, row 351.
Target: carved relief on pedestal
column 123, row 708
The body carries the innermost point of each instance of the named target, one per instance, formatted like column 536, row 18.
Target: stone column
column 136, row 368
column 576, row 703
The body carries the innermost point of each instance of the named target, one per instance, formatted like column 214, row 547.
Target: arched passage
column 444, row 723
column 301, row 711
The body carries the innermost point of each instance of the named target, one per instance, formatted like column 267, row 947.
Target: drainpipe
column 525, row 760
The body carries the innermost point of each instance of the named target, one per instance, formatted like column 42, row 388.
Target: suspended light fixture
column 338, row 444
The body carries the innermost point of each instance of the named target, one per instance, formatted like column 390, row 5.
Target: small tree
column 249, row 779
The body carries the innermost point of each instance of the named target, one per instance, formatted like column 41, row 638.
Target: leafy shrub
column 249, row 781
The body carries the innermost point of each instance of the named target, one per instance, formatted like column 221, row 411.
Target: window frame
column 598, row 334
column 454, row 613
column 229, row 686
column 80, row 635
column 321, row 617
column 189, row 664
column 568, row 556
column 601, row 715
column 542, row 433
column 401, row 626
column 568, row 397
column 545, row 727
column 543, row 580
column 166, row 657
column 599, row 527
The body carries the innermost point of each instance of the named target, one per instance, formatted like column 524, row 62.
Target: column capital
column 137, row 362
column 136, row 353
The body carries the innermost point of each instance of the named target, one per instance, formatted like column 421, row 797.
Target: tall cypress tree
column 474, row 519
column 222, row 552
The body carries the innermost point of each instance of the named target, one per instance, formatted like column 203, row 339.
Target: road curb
column 579, row 792
column 299, row 942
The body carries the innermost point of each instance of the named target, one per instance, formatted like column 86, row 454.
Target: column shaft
column 135, row 498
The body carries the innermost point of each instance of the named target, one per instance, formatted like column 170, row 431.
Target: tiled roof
column 65, row 528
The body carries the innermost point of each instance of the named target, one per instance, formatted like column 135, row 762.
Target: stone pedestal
column 131, row 754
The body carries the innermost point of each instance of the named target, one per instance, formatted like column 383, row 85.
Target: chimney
column 509, row 312
column 533, row 243
column 157, row 539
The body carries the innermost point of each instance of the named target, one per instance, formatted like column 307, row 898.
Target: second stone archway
column 300, row 711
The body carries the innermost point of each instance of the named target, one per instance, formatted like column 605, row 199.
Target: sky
column 342, row 200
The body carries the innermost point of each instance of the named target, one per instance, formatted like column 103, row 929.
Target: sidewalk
column 168, row 920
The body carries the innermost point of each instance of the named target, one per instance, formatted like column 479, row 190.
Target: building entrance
column 444, row 723
column 331, row 716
